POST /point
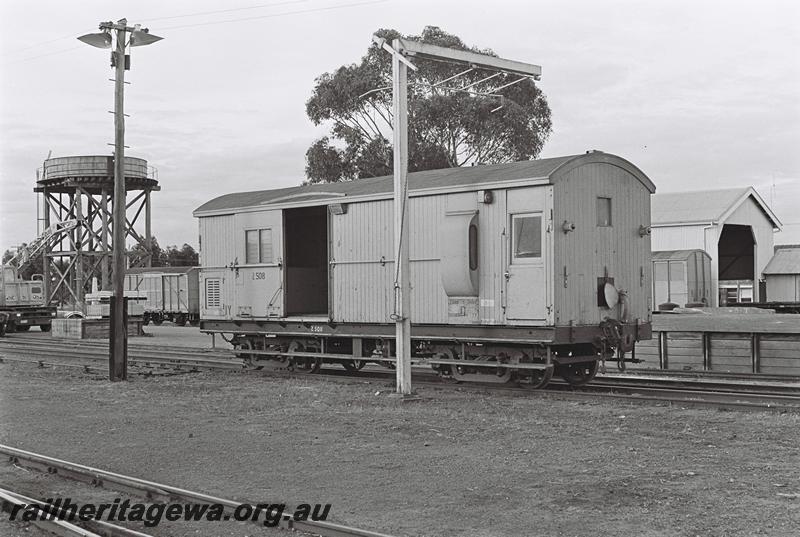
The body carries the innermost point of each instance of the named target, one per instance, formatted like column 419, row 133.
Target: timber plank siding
column 746, row 343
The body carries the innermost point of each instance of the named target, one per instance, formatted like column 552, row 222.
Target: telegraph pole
column 118, row 330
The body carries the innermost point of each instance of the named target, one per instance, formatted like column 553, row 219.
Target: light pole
column 118, row 333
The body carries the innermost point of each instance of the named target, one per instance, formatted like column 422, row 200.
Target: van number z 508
column 259, row 275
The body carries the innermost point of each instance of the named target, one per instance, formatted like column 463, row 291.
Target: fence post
column 755, row 344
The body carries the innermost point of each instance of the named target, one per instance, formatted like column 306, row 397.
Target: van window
column 251, row 246
column 526, row 236
column 473, row 247
column 603, row 212
column 258, row 246
column 265, row 245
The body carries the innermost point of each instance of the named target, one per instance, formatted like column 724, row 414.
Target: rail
column 52, row 524
column 161, row 492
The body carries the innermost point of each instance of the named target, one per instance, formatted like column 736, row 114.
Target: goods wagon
column 172, row 293
column 518, row 271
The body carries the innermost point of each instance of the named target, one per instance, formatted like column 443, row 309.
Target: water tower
column 81, row 189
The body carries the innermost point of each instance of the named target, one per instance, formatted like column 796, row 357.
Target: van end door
column 527, row 255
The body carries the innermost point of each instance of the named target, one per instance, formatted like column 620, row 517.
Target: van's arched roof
column 550, row 169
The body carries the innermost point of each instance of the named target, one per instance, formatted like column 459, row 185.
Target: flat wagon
column 518, row 270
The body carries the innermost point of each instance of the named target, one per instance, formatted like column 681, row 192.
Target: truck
column 22, row 303
column 173, row 293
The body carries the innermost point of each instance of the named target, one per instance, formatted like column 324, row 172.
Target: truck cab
column 22, row 303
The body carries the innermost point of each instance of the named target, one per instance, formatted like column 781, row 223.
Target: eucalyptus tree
column 454, row 119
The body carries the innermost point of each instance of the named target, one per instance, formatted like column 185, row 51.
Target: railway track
column 45, row 352
column 87, row 528
column 160, row 492
column 735, row 391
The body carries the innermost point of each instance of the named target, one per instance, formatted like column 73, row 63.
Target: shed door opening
column 306, row 260
column 736, row 264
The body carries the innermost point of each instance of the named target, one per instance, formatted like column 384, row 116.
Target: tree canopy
column 171, row 256
column 445, row 129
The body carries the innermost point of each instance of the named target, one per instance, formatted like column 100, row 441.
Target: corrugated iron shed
column 785, row 261
column 704, row 206
column 674, row 255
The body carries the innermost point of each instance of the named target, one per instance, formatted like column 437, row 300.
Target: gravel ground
column 453, row 463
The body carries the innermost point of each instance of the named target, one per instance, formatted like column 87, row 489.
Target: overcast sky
column 698, row 94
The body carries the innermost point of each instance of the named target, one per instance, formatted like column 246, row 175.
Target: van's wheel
column 579, row 373
column 353, row 366
column 45, row 327
column 145, row 319
column 180, row 319
column 536, row 378
column 240, row 349
column 303, row 364
column 158, row 319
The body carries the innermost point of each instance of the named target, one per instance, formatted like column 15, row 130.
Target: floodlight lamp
column 99, row 40
column 140, row 38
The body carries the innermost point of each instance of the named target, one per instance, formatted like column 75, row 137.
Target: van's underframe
column 479, row 353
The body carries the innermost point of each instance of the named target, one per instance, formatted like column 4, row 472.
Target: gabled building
column 734, row 226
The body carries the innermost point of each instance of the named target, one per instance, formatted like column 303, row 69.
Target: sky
column 698, row 94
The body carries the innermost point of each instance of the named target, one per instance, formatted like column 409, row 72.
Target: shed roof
column 676, row 255
column 704, row 206
column 785, row 261
column 431, row 179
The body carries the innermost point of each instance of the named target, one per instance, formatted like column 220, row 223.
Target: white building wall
column 677, row 238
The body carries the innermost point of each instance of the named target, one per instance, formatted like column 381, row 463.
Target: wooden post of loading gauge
column 400, row 50
column 402, row 295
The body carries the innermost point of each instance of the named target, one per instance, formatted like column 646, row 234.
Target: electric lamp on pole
column 118, row 348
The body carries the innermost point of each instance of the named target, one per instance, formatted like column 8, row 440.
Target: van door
column 259, row 278
column 527, row 292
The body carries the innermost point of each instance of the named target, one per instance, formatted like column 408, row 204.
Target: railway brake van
column 519, row 271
